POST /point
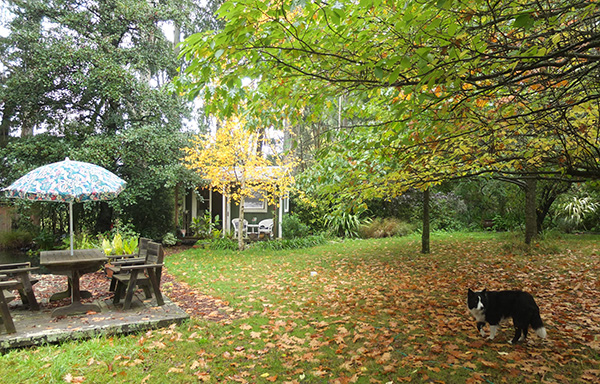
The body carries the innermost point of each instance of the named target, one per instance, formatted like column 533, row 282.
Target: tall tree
column 96, row 74
column 452, row 88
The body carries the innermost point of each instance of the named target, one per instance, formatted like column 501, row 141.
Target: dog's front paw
column 482, row 332
column 490, row 337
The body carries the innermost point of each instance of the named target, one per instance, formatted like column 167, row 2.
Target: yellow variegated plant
column 120, row 246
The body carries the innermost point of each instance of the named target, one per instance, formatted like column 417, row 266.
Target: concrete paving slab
column 38, row 327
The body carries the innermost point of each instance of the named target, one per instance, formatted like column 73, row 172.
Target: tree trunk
column 241, row 244
column 531, row 228
column 425, row 235
column 176, row 215
column 7, row 113
column 550, row 191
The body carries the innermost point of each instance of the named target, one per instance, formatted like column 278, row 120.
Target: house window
column 255, row 203
column 286, row 203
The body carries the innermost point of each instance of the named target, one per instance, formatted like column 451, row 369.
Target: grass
column 354, row 311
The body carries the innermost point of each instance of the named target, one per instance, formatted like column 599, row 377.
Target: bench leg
column 118, row 292
column 146, row 289
column 113, row 284
column 6, row 317
column 130, row 289
column 27, row 295
column 155, row 286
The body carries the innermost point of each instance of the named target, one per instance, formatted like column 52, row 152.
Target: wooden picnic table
column 74, row 265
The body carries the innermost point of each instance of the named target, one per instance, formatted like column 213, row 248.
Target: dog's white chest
column 478, row 312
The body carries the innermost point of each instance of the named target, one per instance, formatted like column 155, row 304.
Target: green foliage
column 93, row 75
column 119, row 245
column 292, row 243
column 45, row 240
column 501, row 223
column 344, row 224
column 80, row 241
column 220, row 243
column 147, row 203
column 169, row 239
column 310, row 210
column 21, row 155
column 204, row 227
column 293, row 228
column 15, row 239
column 385, row 227
column 574, row 209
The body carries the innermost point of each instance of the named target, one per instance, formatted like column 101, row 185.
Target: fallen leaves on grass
column 69, row 378
column 405, row 311
column 385, row 313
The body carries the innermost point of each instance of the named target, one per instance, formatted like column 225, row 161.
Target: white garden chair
column 266, row 227
column 236, row 224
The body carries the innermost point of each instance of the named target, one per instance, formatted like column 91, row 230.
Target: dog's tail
column 538, row 325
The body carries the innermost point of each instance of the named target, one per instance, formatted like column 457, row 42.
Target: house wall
column 254, row 217
column 194, row 207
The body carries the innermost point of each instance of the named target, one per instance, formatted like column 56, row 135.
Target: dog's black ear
column 470, row 290
column 484, row 291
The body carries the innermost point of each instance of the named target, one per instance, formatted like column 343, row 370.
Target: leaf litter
column 390, row 314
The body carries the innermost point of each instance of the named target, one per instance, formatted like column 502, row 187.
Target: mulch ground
column 193, row 302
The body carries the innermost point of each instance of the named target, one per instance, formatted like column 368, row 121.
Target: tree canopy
column 91, row 77
column 441, row 89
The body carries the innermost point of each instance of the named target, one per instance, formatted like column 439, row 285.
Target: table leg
column 75, row 294
column 76, row 305
column 68, row 293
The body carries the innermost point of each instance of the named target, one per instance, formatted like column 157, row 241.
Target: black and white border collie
column 494, row 306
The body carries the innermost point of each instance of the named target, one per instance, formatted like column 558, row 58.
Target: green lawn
column 373, row 311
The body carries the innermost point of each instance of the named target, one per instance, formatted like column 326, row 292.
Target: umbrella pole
column 71, row 224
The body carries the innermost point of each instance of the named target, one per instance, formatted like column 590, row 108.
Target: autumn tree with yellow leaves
column 241, row 163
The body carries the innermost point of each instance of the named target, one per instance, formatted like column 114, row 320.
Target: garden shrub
column 169, row 239
column 344, row 224
column 45, row 239
column 293, row 227
column 15, row 239
column 385, row 227
column 311, row 212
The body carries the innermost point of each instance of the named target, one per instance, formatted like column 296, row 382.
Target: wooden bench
column 117, row 261
column 20, row 272
column 146, row 275
column 6, row 318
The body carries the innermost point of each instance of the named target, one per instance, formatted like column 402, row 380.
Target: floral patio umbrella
column 67, row 181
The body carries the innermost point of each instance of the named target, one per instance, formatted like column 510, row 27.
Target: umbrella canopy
column 68, row 181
